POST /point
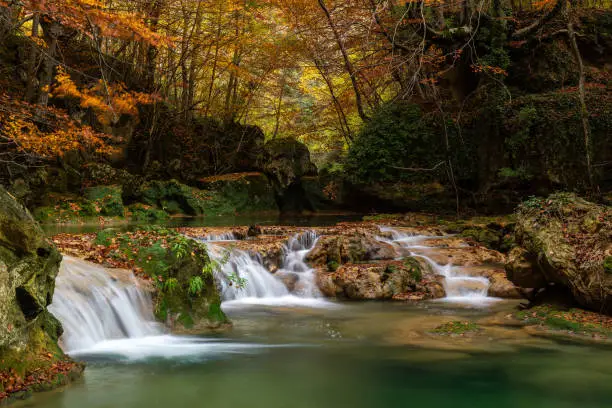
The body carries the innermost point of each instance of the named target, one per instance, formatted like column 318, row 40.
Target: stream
column 301, row 350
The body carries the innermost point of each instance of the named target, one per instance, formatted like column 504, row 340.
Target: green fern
column 196, row 284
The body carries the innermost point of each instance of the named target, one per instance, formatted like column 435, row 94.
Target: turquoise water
column 350, row 355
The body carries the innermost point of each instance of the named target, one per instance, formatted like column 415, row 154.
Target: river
column 344, row 355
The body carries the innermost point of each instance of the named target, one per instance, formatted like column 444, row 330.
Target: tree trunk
column 584, row 113
column 347, row 62
column 52, row 31
column 31, row 79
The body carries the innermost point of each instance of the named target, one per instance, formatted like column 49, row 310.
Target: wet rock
column 463, row 256
column 28, row 267
column 398, row 280
column 357, row 247
column 565, row 242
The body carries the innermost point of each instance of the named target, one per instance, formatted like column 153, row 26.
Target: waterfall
column 224, row 236
column 105, row 312
column 459, row 287
column 95, row 306
column 260, row 285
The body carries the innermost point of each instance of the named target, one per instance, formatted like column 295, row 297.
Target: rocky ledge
column 30, row 358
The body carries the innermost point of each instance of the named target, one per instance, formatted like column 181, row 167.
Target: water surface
column 345, row 355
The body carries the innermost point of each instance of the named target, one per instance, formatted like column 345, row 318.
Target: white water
column 107, row 313
column 94, row 307
column 261, row 286
column 459, row 287
column 224, row 236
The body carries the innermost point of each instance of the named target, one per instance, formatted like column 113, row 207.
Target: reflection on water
column 298, row 220
column 352, row 355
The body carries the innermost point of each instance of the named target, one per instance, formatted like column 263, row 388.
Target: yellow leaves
column 94, row 18
column 56, row 134
column 108, row 101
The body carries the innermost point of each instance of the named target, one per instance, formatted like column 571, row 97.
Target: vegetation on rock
column 564, row 241
column 186, row 297
column 30, row 358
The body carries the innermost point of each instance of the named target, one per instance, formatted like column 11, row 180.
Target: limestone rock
column 28, row 267
column 357, row 247
column 565, row 241
column 398, row 280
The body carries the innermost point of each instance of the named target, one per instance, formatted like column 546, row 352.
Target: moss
column 574, row 321
column 414, row 269
column 107, row 199
column 332, row 266
column 456, row 327
column 146, row 213
column 607, row 265
column 167, row 257
column 382, row 217
column 484, row 236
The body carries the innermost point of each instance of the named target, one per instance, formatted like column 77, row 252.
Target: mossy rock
column 457, row 328
column 174, row 197
column 107, row 199
column 565, row 241
column 29, row 265
column 238, row 193
column 145, row 213
column 187, row 297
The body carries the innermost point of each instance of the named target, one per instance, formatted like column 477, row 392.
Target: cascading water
column 94, row 307
column 106, row 313
column 224, row 236
column 263, row 287
column 458, row 286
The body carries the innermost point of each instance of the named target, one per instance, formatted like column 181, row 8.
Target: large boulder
column 334, row 250
column 239, row 193
column 286, row 162
column 398, row 280
column 564, row 241
column 28, row 332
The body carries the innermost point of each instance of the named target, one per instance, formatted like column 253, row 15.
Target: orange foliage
column 45, row 132
column 108, row 101
column 89, row 16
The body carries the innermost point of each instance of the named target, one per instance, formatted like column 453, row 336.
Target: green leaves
column 196, row 284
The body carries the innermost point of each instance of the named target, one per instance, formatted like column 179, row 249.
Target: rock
column 398, row 280
column 104, row 174
column 286, row 162
column 520, row 270
column 290, row 279
column 254, row 231
column 238, row 193
column 501, row 287
column 463, row 256
column 565, row 241
column 28, row 267
column 107, row 199
column 339, row 249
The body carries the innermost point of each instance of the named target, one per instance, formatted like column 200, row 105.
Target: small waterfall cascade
column 224, row 236
column 261, row 286
column 95, row 305
column 458, row 286
column 259, row 282
column 294, row 263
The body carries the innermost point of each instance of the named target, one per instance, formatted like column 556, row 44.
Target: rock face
column 28, row 267
column 400, row 280
column 286, row 162
column 564, row 241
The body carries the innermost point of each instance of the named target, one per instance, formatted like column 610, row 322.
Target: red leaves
column 11, row 381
